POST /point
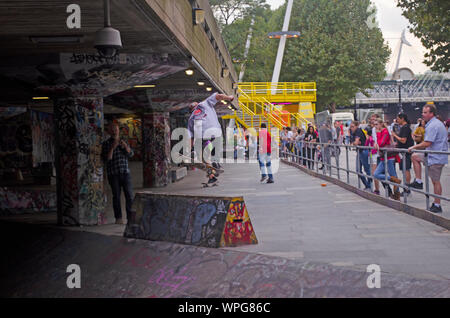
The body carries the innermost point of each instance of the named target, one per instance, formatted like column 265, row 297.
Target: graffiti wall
column 201, row 221
column 131, row 132
column 156, row 156
column 43, row 137
column 80, row 181
column 16, row 149
column 18, row 201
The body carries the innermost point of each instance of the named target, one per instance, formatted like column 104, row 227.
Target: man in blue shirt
column 436, row 140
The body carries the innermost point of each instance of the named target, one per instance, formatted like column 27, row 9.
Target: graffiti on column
column 68, row 186
column 89, row 127
column 156, row 156
column 42, row 133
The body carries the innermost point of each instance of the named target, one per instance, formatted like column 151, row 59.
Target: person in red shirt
column 384, row 140
column 264, row 153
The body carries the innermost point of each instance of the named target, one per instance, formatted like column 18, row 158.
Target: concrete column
column 156, row 149
column 79, row 168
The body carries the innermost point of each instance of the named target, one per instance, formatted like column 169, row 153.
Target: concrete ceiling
column 149, row 55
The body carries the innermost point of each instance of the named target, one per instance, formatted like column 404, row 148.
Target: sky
column 392, row 23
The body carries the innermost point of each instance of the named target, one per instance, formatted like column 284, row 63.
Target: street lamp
column 399, row 84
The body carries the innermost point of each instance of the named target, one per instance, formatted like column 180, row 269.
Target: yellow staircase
column 256, row 102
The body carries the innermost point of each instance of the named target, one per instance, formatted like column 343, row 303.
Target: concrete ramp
column 209, row 221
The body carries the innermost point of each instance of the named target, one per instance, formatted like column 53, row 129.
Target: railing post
column 348, row 170
column 336, row 153
column 385, row 174
column 405, row 195
column 314, row 158
column 357, row 167
column 427, row 185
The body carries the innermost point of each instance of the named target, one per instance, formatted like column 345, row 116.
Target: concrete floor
column 297, row 218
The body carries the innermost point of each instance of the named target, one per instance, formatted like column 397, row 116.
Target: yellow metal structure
column 256, row 102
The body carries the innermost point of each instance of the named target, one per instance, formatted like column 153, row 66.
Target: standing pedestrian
column 115, row 155
column 310, row 137
column 362, row 154
column 436, row 140
column 384, row 141
column 264, row 153
column 404, row 141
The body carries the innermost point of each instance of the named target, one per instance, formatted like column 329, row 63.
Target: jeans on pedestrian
column 379, row 171
column 311, row 154
column 117, row 182
column 298, row 150
column 364, row 163
column 265, row 162
column 326, row 156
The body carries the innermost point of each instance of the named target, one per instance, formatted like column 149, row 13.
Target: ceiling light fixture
column 144, row 86
column 200, row 83
column 209, row 89
column 41, row 97
column 189, row 72
column 198, row 16
column 225, row 72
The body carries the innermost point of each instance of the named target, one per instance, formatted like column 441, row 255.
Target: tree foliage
column 430, row 22
column 337, row 48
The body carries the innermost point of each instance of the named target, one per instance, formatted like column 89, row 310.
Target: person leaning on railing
column 384, row 141
column 435, row 140
column 363, row 154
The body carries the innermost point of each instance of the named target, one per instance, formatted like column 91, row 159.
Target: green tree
column 226, row 11
column 338, row 49
column 430, row 22
column 261, row 56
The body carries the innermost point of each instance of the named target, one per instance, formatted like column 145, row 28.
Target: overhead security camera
column 107, row 40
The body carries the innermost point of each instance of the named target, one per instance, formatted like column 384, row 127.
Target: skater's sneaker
column 212, row 180
column 270, row 181
column 416, row 185
column 264, row 179
column 435, row 209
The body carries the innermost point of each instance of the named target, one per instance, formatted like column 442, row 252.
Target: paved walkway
column 297, row 218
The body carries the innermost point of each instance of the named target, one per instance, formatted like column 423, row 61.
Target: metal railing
column 333, row 149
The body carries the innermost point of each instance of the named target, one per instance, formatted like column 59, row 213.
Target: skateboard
column 211, row 171
column 213, row 184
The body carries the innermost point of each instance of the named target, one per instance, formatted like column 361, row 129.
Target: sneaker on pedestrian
column 405, row 193
column 270, row 181
column 415, row 185
column 264, row 179
column 395, row 195
column 436, row 209
column 377, row 192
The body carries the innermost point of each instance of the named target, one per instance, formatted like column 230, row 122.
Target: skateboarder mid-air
column 204, row 114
